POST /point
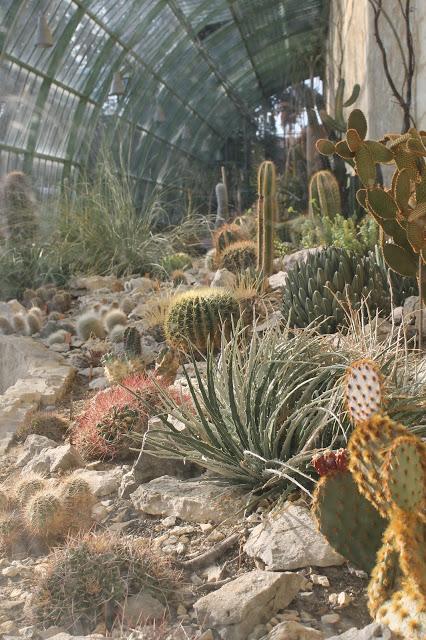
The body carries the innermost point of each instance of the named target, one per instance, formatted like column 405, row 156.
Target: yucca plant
column 269, row 403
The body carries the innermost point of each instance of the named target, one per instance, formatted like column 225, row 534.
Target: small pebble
column 344, row 599
column 330, row 618
column 10, row 572
column 322, row 581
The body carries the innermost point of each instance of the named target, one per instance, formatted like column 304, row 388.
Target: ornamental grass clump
column 89, row 581
column 269, row 403
column 108, row 424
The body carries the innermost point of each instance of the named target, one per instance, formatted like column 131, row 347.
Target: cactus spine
column 324, row 191
column 266, row 216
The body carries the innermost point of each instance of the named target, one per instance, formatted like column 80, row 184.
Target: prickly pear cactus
column 389, row 466
column 349, row 521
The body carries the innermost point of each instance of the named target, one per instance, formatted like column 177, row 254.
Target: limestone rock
column 224, row 278
column 102, row 483
column 289, row 539
column 292, row 630
column 93, row 283
column 33, row 445
column 54, row 459
column 298, row 256
column 141, row 285
column 191, row 500
column 252, row 599
column 372, row 631
column 278, row 280
column 142, row 608
column 34, row 376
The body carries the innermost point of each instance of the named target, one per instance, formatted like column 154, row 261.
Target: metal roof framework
column 206, row 64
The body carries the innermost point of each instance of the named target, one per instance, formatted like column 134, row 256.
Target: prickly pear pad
column 363, row 390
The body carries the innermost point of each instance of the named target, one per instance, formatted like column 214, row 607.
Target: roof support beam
column 234, row 13
column 145, row 65
column 232, row 94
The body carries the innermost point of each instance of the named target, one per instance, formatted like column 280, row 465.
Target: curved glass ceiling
column 194, row 72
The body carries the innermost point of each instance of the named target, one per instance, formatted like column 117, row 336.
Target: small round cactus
column 43, row 423
column 239, row 256
column 196, row 318
column 20, row 324
column 113, row 318
column 90, row 326
column 34, row 322
column 59, row 337
column 27, row 488
column 44, row 515
column 77, row 501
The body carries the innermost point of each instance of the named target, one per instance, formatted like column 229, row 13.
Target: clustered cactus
column 89, row 581
column 401, row 209
column 381, row 499
column 37, row 513
column 196, row 318
column 329, row 284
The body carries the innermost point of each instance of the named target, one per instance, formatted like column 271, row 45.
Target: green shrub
column 345, row 233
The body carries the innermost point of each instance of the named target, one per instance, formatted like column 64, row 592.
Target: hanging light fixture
column 118, row 88
column 44, row 38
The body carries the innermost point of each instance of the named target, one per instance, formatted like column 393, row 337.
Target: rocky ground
column 266, row 575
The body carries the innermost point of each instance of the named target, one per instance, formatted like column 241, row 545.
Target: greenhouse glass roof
column 194, row 71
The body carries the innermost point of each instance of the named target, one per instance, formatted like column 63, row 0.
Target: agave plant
column 267, row 404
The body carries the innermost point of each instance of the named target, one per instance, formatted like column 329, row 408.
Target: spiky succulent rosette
column 110, row 420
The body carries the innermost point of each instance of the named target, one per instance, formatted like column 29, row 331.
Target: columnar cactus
column 222, row 204
column 266, row 217
column 17, row 200
column 325, row 192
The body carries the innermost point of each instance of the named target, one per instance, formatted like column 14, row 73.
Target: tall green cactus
column 325, row 192
column 266, row 216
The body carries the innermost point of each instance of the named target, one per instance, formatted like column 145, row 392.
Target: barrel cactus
column 328, row 284
column 239, row 256
column 195, row 318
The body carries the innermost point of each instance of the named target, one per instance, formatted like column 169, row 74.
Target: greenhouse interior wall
column 354, row 55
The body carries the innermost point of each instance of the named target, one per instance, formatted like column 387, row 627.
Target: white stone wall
column 352, row 48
